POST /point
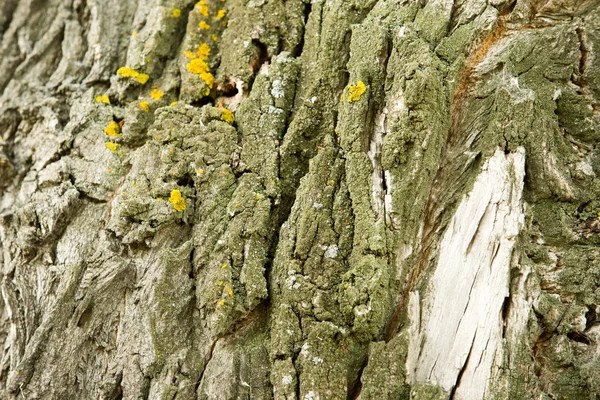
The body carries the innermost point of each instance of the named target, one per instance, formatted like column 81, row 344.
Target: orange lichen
column 156, row 94
column 204, row 26
column 202, row 7
column 177, row 200
column 103, row 99
column 144, row 106
column 227, row 116
column 113, row 129
column 221, row 14
column 176, row 13
column 112, row 146
column 203, row 51
column 355, row 92
column 131, row 73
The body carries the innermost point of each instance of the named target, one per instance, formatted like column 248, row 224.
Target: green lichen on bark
column 318, row 151
column 385, row 374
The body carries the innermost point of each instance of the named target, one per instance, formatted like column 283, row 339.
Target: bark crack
column 207, row 359
column 462, row 370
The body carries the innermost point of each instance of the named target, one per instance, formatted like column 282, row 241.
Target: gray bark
column 293, row 199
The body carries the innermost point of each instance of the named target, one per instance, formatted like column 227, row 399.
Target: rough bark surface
column 293, row 199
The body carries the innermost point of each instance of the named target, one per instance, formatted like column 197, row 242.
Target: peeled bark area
column 290, row 199
column 462, row 334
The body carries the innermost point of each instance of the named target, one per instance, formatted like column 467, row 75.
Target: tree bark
column 293, row 199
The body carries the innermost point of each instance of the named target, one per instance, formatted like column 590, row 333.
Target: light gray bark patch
column 459, row 331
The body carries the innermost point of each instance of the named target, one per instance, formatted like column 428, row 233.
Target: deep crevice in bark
column 461, row 372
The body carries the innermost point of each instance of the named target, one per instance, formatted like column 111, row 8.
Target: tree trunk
column 294, row 199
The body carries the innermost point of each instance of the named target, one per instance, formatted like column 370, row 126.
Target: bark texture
column 300, row 200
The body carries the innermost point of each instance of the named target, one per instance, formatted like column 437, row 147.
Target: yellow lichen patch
column 220, row 283
column 224, row 266
column 109, row 171
column 112, row 146
column 197, row 66
column 144, row 106
column 202, row 7
column 209, row 79
column 355, row 92
column 258, row 196
column 177, row 200
column 113, row 129
column 221, row 14
column 173, row 104
column 176, row 13
column 103, row 99
column 204, row 26
column 156, row 94
column 221, row 303
column 203, row 51
column 134, row 34
column 189, row 54
column 131, row 73
column 200, row 171
column 227, row 116
column 229, row 290
column 214, row 37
